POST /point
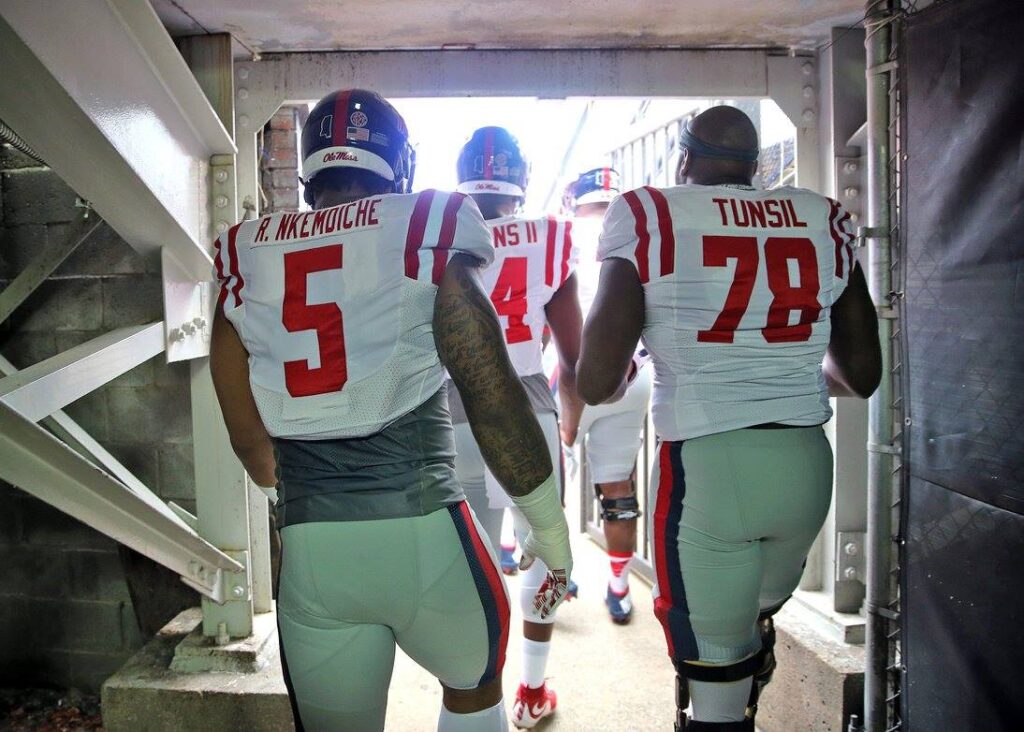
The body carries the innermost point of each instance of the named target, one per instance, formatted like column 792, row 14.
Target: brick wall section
column 279, row 159
column 66, row 617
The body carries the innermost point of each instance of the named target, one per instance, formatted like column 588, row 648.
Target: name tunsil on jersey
column 738, row 289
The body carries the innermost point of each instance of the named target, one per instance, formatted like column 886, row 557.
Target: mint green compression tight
column 733, row 517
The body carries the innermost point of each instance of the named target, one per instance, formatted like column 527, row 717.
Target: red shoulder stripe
column 668, row 237
column 836, row 238
column 643, row 244
column 218, row 263
column 549, row 255
column 233, row 264
column 566, row 250
column 414, row 237
column 447, row 236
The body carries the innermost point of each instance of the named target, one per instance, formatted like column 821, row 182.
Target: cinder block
column 24, row 348
column 96, row 575
column 132, row 300
column 42, row 524
column 13, row 159
column 149, row 415
column 103, row 253
column 10, row 516
column 91, row 626
column 62, row 305
column 91, row 414
column 283, row 119
column 37, row 196
column 177, row 374
column 177, row 472
column 34, row 571
column 90, row 670
column 139, row 457
column 19, row 245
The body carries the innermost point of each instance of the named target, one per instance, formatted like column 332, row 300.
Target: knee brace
column 685, row 672
column 766, row 628
column 619, row 509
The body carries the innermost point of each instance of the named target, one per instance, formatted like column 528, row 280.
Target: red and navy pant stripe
column 489, row 586
column 671, row 607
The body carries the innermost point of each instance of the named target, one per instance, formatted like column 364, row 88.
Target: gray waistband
column 406, row 469
column 537, row 391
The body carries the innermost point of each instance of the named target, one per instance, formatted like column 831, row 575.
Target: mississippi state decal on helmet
column 357, row 128
column 491, row 162
column 599, row 185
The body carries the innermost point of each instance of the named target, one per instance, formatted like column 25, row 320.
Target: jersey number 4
column 325, row 318
column 509, row 298
column 779, row 251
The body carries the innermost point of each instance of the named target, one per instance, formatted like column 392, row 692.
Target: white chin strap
column 498, row 187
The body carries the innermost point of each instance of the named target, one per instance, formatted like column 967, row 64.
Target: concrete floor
column 608, row 677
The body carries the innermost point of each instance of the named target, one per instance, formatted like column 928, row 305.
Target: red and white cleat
column 532, row 705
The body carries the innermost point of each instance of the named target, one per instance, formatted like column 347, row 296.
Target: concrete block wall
column 66, row 616
column 279, row 159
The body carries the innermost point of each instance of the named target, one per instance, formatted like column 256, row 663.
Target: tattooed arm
column 470, row 344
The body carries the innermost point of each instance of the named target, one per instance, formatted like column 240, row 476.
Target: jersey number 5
column 509, row 298
column 325, row 318
column 786, row 297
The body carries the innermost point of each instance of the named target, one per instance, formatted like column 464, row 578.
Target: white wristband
column 542, row 507
column 271, row 491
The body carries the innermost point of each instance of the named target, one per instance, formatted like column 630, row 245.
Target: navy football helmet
column 357, row 128
column 491, row 162
column 599, row 185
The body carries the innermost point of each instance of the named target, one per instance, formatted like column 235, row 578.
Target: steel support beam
column 45, row 467
column 50, row 385
column 126, row 123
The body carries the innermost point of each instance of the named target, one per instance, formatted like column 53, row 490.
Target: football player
column 754, row 310
column 530, row 282
column 330, row 340
column 612, row 432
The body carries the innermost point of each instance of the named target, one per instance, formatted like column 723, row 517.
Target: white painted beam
column 46, row 468
column 101, row 93
column 51, row 385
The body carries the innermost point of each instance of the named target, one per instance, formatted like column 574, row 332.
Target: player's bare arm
column 470, row 343
column 229, row 366
column 853, row 362
column 566, row 321
column 611, row 333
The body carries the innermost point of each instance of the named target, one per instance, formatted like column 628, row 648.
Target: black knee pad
column 620, row 509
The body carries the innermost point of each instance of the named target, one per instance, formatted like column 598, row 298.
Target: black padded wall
column 962, row 72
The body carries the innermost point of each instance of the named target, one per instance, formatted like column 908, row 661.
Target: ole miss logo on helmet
column 340, row 155
column 487, row 187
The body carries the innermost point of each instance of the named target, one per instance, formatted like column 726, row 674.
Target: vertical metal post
column 880, row 408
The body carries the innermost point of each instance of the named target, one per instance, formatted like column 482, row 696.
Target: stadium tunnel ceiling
column 270, row 26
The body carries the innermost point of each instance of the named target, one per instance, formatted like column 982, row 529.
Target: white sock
column 508, row 534
column 619, row 579
column 720, row 702
column 535, row 662
column 486, row 720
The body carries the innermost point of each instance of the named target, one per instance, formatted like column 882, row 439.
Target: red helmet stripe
column 488, row 154
column 607, row 176
column 340, row 121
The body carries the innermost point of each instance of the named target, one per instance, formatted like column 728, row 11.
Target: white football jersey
column 533, row 257
column 738, row 289
column 335, row 307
